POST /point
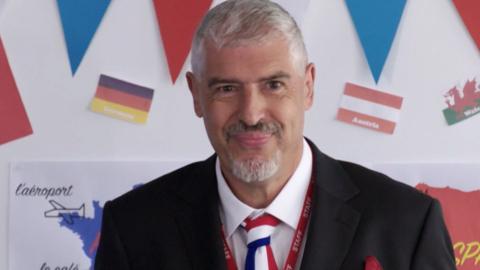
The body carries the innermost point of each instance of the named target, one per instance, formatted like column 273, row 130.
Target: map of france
column 88, row 229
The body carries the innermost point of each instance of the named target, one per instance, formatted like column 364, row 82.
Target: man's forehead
column 245, row 75
column 215, row 80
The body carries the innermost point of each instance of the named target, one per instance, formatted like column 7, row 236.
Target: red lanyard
column 297, row 237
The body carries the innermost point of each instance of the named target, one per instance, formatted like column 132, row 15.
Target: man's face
column 252, row 99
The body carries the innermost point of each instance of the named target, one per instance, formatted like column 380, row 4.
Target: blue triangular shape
column 80, row 20
column 376, row 22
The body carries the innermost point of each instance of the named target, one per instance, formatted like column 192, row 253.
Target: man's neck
column 260, row 194
column 256, row 195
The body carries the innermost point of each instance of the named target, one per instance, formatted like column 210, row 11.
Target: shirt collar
column 234, row 211
column 287, row 206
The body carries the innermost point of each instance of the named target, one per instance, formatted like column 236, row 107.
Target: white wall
column 432, row 52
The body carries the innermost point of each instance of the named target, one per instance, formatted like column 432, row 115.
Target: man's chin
column 254, row 170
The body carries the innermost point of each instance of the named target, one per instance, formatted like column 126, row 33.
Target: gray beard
column 255, row 170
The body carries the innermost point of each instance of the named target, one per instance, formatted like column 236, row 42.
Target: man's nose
column 252, row 106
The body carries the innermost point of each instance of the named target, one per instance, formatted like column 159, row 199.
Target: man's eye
column 274, row 85
column 226, row 88
column 222, row 91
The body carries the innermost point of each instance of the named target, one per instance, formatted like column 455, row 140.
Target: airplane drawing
column 68, row 214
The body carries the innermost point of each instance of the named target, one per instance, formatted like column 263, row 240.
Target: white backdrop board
column 2, row 4
column 431, row 53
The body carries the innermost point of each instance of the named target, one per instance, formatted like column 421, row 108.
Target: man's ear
column 309, row 85
column 194, row 87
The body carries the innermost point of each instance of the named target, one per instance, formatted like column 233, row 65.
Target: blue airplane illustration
column 68, row 214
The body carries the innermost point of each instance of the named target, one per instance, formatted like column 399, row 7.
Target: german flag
column 122, row 100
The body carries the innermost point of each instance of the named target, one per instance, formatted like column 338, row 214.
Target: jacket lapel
column 331, row 229
column 198, row 219
column 333, row 222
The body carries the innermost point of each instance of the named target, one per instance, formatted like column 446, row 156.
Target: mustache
column 241, row 127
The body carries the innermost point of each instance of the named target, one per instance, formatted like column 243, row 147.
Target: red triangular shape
column 469, row 11
column 178, row 21
column 14, row 121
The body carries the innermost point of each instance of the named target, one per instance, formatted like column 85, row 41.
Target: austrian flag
column 370, row 108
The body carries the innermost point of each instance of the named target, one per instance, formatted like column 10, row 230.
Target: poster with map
column 457, row 187
column 55, row 209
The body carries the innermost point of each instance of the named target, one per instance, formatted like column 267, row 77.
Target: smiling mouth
column 252, row 139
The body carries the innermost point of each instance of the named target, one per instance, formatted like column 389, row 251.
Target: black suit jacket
column 173, row 223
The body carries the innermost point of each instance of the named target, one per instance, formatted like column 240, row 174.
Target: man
column 268, row 198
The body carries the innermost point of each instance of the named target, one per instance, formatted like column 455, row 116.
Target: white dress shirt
column 287, row 207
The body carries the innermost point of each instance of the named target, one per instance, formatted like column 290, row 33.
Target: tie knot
column 260, row 228
column 263, row 220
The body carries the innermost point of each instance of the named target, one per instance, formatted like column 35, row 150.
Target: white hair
column 239, row 22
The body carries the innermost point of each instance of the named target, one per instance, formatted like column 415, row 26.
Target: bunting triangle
column 178, row 21
column 80, row 21
column 14, row 121
column 376, row 22
column 469, row 11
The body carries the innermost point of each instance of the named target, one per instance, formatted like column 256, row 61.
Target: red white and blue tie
column 259, row 231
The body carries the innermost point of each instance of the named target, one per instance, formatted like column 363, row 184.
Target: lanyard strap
column 297, row 237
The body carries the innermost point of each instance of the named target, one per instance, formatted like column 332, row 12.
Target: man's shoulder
column 374, row 188
column 168, row 186
column 384, row 192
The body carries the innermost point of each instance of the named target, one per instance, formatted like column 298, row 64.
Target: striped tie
column 259, row 254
